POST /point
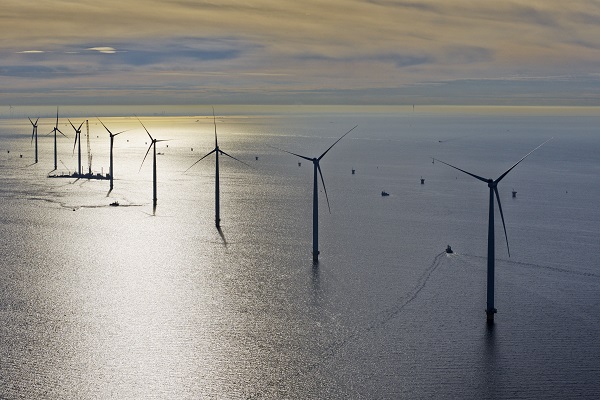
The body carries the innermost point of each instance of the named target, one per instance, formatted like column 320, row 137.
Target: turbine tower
column 152, row 144
column 317, row 167
column 217, row 151
column 54, row 130
column 77, row 139
column 493, row 186
column 35, row 134
column 112, row 140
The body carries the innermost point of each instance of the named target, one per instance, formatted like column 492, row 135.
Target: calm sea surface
column 101, row 302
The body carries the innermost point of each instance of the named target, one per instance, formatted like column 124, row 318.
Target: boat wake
column 380, row 320
column 539, row 266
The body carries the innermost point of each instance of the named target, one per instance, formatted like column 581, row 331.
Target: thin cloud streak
column 290, row 47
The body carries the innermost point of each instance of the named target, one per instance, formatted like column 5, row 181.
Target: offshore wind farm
column 99, row 301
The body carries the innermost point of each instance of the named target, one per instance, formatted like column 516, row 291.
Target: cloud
column 105, row 50
column 37, row 71
column 467, row 54
column 294, row 47
column 398, row 59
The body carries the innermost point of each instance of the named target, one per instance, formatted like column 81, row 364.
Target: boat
column 384, row 193
column 114, row 204
column 449, row 250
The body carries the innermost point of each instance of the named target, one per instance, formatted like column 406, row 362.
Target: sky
column 455, row 52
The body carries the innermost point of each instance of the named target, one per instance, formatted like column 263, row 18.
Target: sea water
column 124, row 302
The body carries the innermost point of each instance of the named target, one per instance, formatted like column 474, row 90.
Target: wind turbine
column 55, row 129
column 112, row 140
column 493, row 185
column 152, row 144
column 34, row 134
column 317, row 167
column 217, row 151
column 77, row 139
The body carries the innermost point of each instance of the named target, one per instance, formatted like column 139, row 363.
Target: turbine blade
column 61, row 133
column 72, row 124
column 151, row 138
column 109, row 132
column 163, row 140
column 289, row 152
column 502, row 216
column 31, row 121
column 199, row 160
column 149, row 147
column 215, row 123
column 324, row 188
column 75, row 142
column 57, row 116
column 36, row 121
column 323, row 155
column 230, row 156
column 462, row 170
column 80, row 125
column 504, row 174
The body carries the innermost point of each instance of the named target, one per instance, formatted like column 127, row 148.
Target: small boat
column 449, row 250
column 384, row 193
column 114, row 204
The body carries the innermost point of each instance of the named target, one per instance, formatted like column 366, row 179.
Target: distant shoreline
column 89, row 111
